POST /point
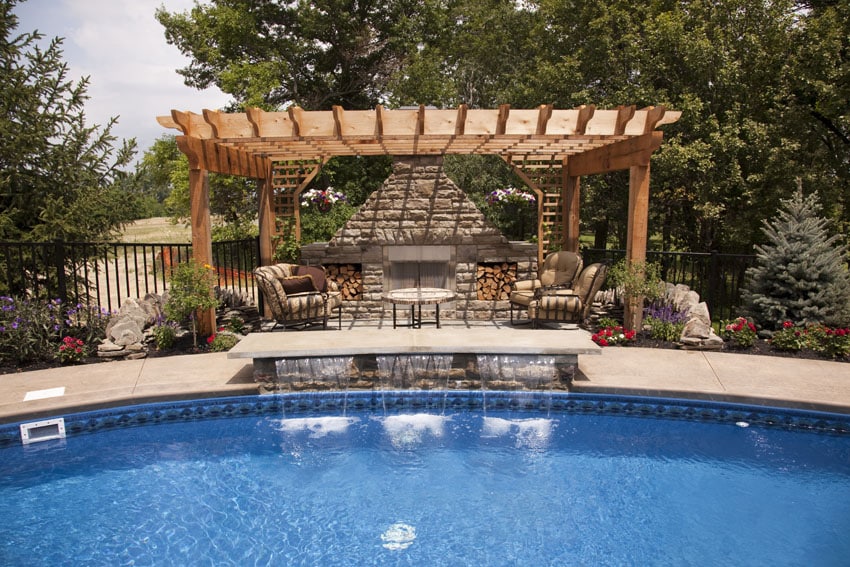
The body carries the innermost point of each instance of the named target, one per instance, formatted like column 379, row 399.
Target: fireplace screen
column 418, row 274
column 419, row 266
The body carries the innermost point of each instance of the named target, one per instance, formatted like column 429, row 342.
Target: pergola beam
column 613, row 157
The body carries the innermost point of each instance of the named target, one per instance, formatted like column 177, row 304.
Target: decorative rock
column 696, row 329
column 108, row 346
column 137, row 355
column 126, row 332
column 112, row 354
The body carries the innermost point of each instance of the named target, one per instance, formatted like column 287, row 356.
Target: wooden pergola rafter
column 549, row 148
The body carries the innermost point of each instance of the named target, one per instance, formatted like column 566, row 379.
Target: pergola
column 549, row 148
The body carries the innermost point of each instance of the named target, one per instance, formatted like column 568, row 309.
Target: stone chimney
column 419, row 217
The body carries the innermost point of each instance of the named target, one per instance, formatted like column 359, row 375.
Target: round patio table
column 416, row 297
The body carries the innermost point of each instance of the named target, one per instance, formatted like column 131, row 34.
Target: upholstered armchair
column 559, row 270
column 569, row 305
column 299, row 295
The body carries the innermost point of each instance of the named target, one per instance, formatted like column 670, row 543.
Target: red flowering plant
column 832, row 342
column 790, row 337
column 610, row 336
column 741, row 332
column 71, row 350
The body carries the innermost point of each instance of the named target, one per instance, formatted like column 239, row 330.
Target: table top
column 419, row 295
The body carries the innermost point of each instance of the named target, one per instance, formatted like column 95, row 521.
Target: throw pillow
column 317, row 273
column 297, row 284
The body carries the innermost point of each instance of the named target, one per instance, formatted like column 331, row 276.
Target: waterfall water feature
column 328, row 370
column 517, row 374
column 515, row 371
column 400, row 371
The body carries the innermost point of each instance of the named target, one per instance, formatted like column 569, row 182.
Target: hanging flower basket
column 322, row 199
column 510, row 196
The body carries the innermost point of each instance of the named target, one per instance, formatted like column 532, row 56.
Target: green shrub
column 191, row 291
column 607, row 322
column 234, row 324
column 221, row 342
column 638, row 279
column 663, row 330
column 165, row 334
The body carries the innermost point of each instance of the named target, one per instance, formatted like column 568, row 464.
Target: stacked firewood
column 349, row 279
column 494, row 280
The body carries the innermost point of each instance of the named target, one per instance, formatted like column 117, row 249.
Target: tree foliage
column 315, row 54
column 164, row 173
column 59, row 177
column 800, row 273
column 763, row 86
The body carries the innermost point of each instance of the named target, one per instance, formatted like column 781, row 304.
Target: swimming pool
column 430, row 478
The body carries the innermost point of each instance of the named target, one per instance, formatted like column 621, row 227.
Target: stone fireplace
column 420, row 229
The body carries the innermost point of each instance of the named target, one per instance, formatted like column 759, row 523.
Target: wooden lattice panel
column 288, row 179
column 547, row 175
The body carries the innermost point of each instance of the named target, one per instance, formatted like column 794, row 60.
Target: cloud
column 121, row 47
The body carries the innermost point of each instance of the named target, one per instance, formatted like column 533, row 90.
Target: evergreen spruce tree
column 800, row 274
column 59, row 176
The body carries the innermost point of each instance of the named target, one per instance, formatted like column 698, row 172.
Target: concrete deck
column 776, row 381
column 490, row 339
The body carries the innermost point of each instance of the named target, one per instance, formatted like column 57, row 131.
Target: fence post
column 59, row 264
column 713, row 281
column 256, row 264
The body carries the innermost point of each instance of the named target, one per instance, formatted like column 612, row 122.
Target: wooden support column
column 638, row 229
column 266, row 219
column 199, row 191
column 572, row 199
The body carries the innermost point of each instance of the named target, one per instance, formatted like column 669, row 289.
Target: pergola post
column 199, row 198
column 265, row 219
column 638, row 230
column 571, row 200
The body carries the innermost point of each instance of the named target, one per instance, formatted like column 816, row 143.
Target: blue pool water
column 441, row 479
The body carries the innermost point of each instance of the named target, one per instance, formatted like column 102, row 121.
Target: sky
column 121, row 47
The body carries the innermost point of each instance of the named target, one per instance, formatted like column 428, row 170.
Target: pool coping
column 816, row 385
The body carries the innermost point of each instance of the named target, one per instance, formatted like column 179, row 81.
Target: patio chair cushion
column 559, row 268
column 317, row 274
column 522, row 297
column 569, row 306
column 297, row 284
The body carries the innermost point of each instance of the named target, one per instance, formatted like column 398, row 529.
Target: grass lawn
column 156, row 230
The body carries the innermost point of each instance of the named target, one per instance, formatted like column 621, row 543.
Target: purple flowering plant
column 33, row 329
column 322, row 199
column 665, row 322
column 510, row 195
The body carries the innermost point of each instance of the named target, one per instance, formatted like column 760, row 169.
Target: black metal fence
column 105, row 274
column 716, row 277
